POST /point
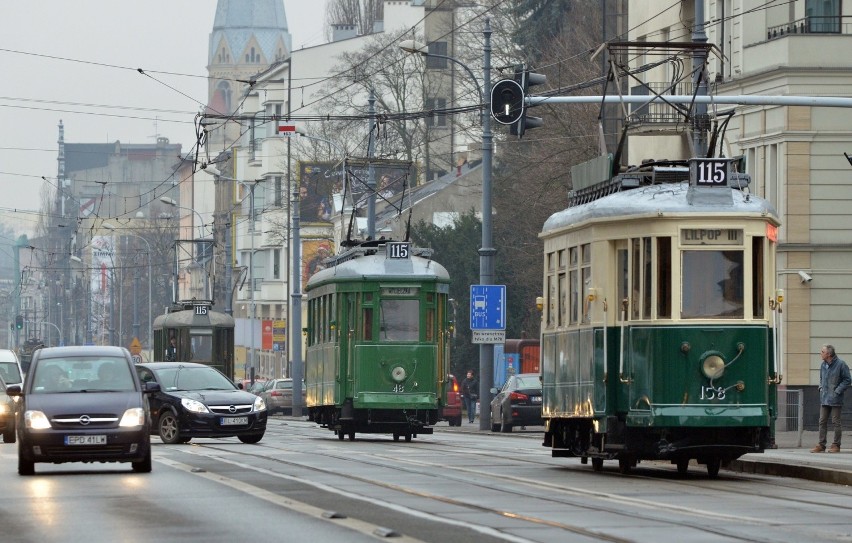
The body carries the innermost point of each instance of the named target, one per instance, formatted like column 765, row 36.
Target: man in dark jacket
column 834, row 379
column 470, row 393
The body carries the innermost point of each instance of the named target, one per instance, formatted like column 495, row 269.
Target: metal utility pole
column 296, row 296
column 371, row 171
column 486, row 252
column 701, row 122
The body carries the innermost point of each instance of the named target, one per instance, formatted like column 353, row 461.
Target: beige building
column 795, row 154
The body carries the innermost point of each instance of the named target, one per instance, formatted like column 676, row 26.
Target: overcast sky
column 76, row 60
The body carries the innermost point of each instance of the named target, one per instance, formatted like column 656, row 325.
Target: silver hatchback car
column 278, row 395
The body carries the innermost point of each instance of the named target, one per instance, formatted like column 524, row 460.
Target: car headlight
column 4, row 409
column 259, row 404
column 193, row 406
column 36, row 420
column 133, row 418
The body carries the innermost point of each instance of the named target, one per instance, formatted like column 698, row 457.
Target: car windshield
column 81, row 374
column 192, row 378
column 9, row 372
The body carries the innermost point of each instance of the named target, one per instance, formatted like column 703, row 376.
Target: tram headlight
column 713, row 366
column 398, row 374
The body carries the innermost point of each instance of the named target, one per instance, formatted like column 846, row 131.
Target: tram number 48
column 712, row 393
column 712, row 173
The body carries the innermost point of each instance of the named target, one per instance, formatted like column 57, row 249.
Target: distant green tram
column 660, row 318
column 378, row 339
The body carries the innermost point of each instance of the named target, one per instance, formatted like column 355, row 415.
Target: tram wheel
column 408, row 438
column 713, row 466
column 624, row 465
column 682, row 466
column 396, row 437
column 351, row 436
column 340, row 435
column 597, row 464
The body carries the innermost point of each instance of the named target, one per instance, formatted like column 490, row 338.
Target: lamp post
column 109, row 226
column 297, row 372
column 486, row 252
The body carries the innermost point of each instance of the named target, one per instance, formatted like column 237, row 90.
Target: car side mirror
column 14, row 390
column 150, row 386
column 240, row 386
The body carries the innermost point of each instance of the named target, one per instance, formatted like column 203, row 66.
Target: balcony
column 811, row 25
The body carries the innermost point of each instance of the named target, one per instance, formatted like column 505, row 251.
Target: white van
column 10, row 368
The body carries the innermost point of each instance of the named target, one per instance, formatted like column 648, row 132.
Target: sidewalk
column 791, row 460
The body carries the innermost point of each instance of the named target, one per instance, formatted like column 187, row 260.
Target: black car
column 82, row 404
column 196, row 400
column 7, row 414
column 518, row 403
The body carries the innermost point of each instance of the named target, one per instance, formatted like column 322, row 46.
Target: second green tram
column 378, row 341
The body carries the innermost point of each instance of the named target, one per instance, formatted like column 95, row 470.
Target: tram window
column 562, row 261
column 586, row 273
column 646, row 283
column 636, row 276
column 757, row 271
column 551, row 301
column 664, row 281
column 562, row 314
column 202, row 348
column 400, row 320
column 573, row 285
column 367, row 324
column 551, row 261
column 712, row 284
column 623, row 275
column 430, row 324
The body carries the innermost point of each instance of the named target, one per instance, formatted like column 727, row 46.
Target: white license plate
column 85, row 440
column 536, row 399
column 233, row 421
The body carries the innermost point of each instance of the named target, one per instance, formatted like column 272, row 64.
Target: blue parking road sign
column 488, row 307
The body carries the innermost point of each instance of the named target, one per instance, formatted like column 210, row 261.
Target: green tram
column 378, row 339
column 201, row 335
column 660, row 319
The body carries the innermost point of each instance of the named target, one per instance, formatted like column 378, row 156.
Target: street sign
column 487, row 307
column 488, row 336
column 135, row 347
column 287, row 130
column 137, row 359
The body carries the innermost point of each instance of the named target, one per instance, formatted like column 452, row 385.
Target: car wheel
column 495, row 427
column 25, row 465
column 169, row 428
column 251, row 439
column 458, row 420
column 9, row 435
column 144, row 465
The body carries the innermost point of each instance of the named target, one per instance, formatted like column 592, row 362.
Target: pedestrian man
column 834, row 379
column 470, row 393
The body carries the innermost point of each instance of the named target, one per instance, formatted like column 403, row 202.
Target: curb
column 809, row 473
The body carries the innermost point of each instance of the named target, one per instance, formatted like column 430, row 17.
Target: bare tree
column 361, row 14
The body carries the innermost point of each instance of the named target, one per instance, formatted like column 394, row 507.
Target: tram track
column 547, row 492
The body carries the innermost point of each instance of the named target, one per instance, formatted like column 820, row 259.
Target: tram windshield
column 712, row 284
column 400, row 320
column 202, row 347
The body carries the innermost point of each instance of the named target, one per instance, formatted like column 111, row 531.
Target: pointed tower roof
column 237, row 22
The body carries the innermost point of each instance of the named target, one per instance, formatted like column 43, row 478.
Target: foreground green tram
column 378, row 341
column 659, row 320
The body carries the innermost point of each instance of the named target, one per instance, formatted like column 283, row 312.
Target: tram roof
column 665, row 198
column 377, row 266
column 187, row 318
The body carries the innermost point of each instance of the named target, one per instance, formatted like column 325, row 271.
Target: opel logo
column 232, row 408
column 85, row 420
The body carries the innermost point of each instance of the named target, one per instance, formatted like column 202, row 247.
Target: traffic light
column 507, row 101
column 525, row 80
column 19, row 322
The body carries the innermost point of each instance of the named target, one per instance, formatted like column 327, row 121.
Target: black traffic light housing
column 19, row 322
column 507, row 101
column 525, row 80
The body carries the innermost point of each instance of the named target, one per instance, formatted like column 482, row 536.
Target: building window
column 278, row 191
column 823, row 16
column 273, row 114
column 436, row 119
column 437, row 48
column 276, row 263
